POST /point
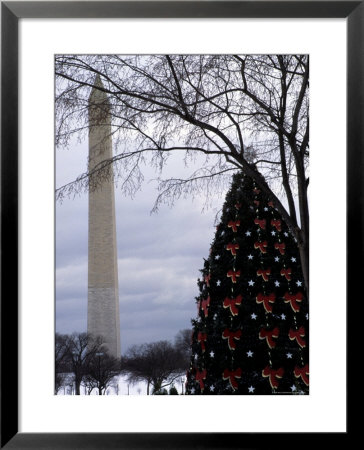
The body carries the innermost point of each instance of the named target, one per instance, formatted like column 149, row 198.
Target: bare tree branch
column 243, row 113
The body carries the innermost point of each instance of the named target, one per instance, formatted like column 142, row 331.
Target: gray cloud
column 159, row 257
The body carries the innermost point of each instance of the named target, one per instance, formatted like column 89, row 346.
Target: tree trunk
column 305, row 224
column 304, row 255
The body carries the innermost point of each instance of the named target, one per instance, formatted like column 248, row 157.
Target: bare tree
column 246, row 113
column 183, row 341
column 157, row 363
column 101, row 372
column 62, row 361
column 82, row 350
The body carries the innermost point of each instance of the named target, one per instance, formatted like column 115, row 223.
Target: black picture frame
column 11, row 12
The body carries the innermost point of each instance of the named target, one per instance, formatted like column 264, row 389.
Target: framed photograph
column 47, row 41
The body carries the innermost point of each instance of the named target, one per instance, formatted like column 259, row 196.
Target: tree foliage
column 240, row 112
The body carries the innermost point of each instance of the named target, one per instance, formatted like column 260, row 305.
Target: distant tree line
column 82, row 359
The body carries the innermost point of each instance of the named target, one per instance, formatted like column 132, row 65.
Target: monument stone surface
column 103, row 295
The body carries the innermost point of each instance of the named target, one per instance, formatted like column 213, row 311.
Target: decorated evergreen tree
column 251, row 333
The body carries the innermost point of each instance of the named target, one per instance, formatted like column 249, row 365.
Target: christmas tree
column 251, row 332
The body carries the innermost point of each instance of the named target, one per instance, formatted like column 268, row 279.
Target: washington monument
column 103, row 293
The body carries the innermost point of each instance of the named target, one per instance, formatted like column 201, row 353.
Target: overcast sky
column 159, row 256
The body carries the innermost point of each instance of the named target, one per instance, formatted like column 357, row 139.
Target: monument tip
column 98, row 82
column 97, row 95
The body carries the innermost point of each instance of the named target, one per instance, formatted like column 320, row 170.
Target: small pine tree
column 173, row 391
column 251, row 333
column 160, row 392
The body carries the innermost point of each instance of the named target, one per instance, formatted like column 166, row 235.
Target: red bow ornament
column 204, row 305
column 269, row 335
column 261, row 222
column 276, row 223
column 261, row 245
column 302, row 372
column 257, row 202
column 234, row 224
column 232, row 375
column 286, row 273
column 233, row 275
column 281, row 247
column 256, row 191
column 232, row 303
column 232, row 247
column 207, row 279
column 202, row 337
column 273, row 375
column 200, row 376
column 264, row 273
column 298, row 335
column 267, row 301
column 271, row 204
column 230, row 336
column 237, row 205
column 293, row 299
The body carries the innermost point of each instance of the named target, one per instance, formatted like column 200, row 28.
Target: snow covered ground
column 120, row 386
